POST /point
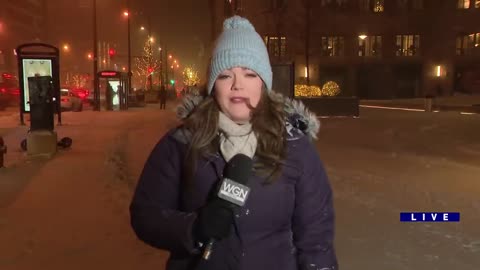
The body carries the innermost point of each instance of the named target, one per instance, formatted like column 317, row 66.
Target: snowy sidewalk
column 466, row 104
column 71, row 212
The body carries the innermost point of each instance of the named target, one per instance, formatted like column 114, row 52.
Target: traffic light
column 149, row 70
column 111, row 53
column 172, row 82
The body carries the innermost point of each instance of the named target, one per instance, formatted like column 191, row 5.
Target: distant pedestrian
column 163, row 97
column 109, row 97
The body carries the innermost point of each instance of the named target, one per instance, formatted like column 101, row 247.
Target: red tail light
column 3, row 90
column 64, row 99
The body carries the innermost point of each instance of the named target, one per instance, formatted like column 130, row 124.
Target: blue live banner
column 430, row 217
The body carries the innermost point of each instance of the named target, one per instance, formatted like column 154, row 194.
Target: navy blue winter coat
column 287, row 225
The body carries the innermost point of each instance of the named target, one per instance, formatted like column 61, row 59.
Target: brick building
column 370, row 48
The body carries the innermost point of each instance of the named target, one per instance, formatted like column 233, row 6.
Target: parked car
column 9, row 95
column 70, row 101
column 82, row 93
column 4, row 99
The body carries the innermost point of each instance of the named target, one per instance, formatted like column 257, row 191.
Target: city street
column 71, row 212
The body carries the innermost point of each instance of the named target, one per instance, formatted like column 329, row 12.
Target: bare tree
column 280, row 15
column 294, row 18
column 307, row 5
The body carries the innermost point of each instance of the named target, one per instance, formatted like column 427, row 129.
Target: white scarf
column 236, row 139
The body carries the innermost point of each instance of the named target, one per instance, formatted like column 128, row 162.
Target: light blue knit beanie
column 239, row 45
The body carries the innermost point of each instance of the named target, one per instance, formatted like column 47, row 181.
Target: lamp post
column 174, row 65
column 96, row 91
column 150, row 60
column 168, row 57
column 160, row 79
column 65, row 74
column 129, row 53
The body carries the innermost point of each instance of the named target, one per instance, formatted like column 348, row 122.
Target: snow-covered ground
column 387, row 162
column 442, row 100
column 71, row 212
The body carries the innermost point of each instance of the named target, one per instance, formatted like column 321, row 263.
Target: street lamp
column 66, row 62
column 160, row 75
column 129, row 53
column 96, row 91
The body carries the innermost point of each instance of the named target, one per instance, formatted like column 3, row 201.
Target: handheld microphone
column 233, row 189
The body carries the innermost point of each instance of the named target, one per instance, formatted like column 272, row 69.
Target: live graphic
column 430, row 217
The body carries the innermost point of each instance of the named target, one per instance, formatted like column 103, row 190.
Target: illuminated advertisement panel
column 32, row 68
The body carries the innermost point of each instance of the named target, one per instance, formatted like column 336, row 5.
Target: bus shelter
column 111, row 93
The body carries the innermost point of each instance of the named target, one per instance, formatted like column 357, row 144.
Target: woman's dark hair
column 268, row 124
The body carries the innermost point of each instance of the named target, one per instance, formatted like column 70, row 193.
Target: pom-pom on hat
column 239, row 45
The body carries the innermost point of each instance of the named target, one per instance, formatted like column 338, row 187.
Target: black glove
column 214, row 221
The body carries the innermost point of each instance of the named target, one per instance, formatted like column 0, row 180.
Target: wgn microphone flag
column 235, row 178
column 233, row 189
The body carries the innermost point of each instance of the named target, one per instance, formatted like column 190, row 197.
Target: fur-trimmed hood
column 300, row 121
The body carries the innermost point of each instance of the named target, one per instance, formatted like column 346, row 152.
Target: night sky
column 184, row 26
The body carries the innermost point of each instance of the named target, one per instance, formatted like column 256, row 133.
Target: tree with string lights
column 191, row 79
column 190, row 76
column 147, row 64
column 79, row 80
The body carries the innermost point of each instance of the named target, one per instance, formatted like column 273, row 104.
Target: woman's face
column 236, row 90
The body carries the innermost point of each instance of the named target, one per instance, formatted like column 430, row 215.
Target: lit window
column 463, row 4
column 369, row 45
column 378, row 6
column 233, row 7
column 468, row 44
column 407, row 45
column 372, row 5
column 239, row 6
column 332, row 46
column 277, row 46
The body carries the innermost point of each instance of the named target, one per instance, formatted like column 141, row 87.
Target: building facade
column 371, row 48
column 21, row 21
